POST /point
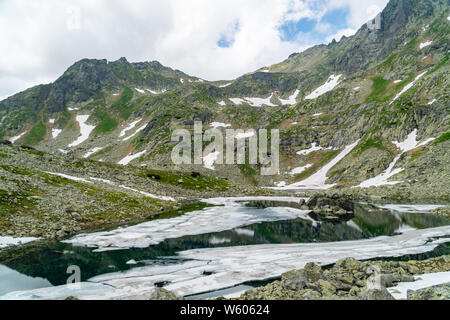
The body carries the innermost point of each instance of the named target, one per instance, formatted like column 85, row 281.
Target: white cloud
column 40, row 39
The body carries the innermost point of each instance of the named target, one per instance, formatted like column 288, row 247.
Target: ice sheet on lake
column 10, row 241
column 85, row 130
column 422, row 281
column 231, row 266
column 331, row 83
column 230, row 216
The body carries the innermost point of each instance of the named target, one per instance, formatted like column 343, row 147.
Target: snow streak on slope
column 85, row 130
column 382, row 180
column 318, row 180
column 131, row 157
column 91, row 179
column 331, row 83
column 291, row 100
column 129, row 127
column 14, row 139
column 259, row 102
column 408, row 86
column 314, row 148
column 135, row 133
column 92, row 151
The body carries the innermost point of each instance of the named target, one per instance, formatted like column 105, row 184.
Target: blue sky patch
column 227, row 39
column 291, row 29
column 336, row 18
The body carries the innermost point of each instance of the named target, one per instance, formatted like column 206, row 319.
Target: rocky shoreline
column 350, row 279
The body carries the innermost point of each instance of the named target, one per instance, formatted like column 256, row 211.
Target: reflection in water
column 50, row 261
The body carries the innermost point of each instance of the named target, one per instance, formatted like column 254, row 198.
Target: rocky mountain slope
column 385, row 92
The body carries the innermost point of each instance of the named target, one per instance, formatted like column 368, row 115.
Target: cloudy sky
column 211, row 39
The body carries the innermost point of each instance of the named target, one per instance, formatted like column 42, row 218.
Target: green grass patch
column 368, row 144
column 106, row 122
column 122, row 104
column 36, row 134
column 445, row 137
column 379, row 88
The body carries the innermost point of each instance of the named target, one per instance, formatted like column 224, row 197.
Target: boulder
column 163, row 294
column 439, row 292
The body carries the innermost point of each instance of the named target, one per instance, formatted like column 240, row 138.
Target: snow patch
column 314, row 148
column 300, row 169
column 51, row 121
column 237, row 101
column 431, row 102
column 55, row 133
column 216, row 125
column 382, row 180
column 222, row 103
column 92, row 151
column 208, row 160
column 425, row 44
column 225, row 85
column 331, row 83
column 317, row 181
column 259, row 102
column 291, row 100
column 15, row 138
column 139, row 90
column 129, row 127
column 135, row 133
column 131, row 157
column 245, row 135
column 85, row 130
column 408, row 86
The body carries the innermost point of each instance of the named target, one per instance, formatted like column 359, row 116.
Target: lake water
column 44, row 266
